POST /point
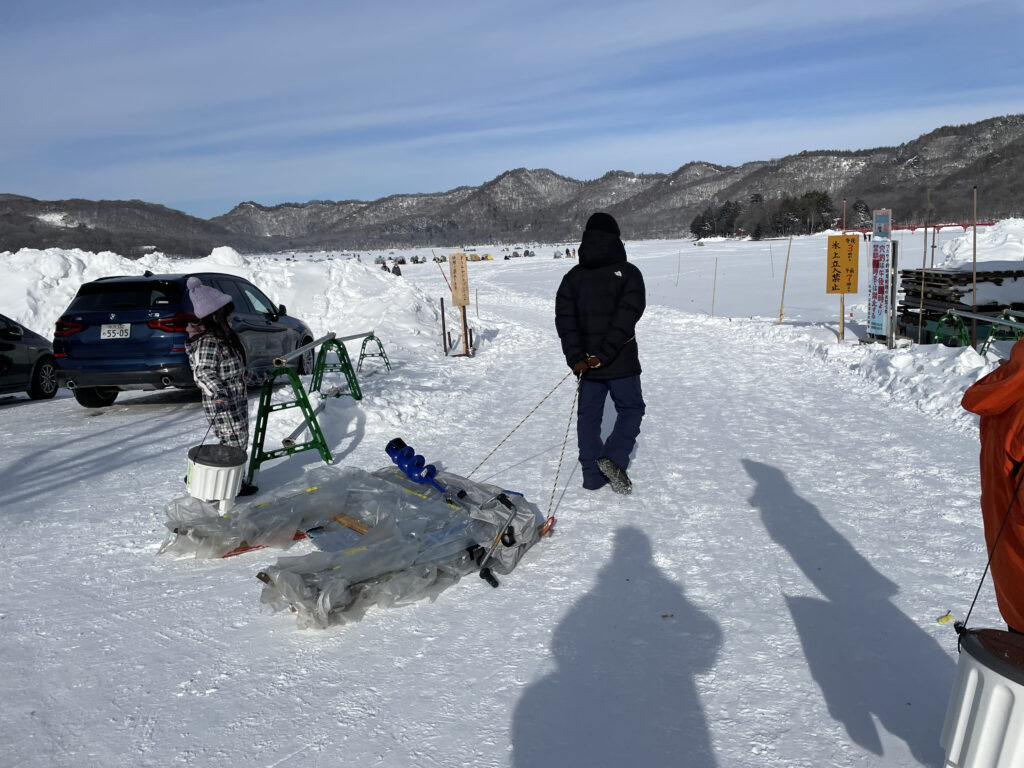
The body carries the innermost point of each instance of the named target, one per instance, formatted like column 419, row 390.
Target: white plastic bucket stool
column 215, row 473
column 984, row 725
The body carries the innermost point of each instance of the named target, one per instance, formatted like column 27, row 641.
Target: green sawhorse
column 344, row 365
column 259, row 454
column 951, row 327
column 1002, row 330
column 379, row 353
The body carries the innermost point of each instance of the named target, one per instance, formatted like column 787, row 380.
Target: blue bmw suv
column 124, row 333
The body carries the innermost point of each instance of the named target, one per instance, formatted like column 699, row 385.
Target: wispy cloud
column 202, row 105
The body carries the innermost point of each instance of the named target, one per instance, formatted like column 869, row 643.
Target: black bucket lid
column 215, row 455
column 998, row 650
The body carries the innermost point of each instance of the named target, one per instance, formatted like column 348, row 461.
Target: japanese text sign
column 841, row 267
column 882, row 223
column 460, row 280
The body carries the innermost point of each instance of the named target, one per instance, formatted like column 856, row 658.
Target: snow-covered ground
column 804, row 511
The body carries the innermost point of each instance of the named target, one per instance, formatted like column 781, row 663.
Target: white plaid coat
column 220, row 375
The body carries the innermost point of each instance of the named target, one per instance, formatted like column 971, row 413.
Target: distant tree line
column 810, row 212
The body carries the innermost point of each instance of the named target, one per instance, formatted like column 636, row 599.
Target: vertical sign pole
column 465, row 332
column 891, row 298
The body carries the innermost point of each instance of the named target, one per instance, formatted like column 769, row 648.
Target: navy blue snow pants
column 629, row 409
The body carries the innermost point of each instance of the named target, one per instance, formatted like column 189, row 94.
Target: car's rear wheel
column 43, row 385
column 95, row 397
column 308, row 358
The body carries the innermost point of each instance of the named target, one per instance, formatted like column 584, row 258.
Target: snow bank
column 344, row 296
column 1002, row 242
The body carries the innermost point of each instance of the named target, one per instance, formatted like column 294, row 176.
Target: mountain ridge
column 928, row 178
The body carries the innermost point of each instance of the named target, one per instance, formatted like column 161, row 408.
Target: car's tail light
column 176, row 324
column 66, row 328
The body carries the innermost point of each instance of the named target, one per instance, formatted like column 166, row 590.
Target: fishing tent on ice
column 388, row 538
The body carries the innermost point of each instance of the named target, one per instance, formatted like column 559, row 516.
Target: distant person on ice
column 999, row 399
column 597, row 307
column 218, row 365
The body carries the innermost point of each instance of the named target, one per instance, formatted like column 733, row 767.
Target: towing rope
column 550, row 521
column 517, row 426
column 962, row 626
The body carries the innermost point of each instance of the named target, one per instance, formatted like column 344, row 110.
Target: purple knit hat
column 205, row 298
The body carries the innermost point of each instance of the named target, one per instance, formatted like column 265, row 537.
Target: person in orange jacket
column 998, row 399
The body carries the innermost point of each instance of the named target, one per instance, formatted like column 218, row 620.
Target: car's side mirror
column 281, row 311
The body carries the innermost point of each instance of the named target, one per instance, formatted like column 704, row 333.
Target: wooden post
column 465, row 332
column 679, row 264
column 785, row 274
column 974, row 274
column 714, row 288
column 842, row 296
column 444, row 330
column 924, row 264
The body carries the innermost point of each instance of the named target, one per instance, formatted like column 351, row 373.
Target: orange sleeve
column 1000, row 389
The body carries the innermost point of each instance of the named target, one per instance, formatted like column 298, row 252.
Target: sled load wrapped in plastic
column 388, row 538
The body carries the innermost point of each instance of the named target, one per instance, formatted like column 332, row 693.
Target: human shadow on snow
column 867, row 656
column 623, row 692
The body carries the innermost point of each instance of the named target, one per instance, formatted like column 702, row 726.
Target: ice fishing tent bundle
column 424, row 540
column 422, row 535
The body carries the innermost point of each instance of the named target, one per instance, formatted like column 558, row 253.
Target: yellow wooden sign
column 841, row 269
column 460, row 279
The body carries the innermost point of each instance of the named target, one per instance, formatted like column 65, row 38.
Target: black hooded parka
column 597, row 306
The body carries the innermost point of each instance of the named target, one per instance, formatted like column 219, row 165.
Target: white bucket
column 984, row 725
column 215, row 473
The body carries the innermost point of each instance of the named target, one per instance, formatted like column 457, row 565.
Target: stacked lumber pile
column 946, row 289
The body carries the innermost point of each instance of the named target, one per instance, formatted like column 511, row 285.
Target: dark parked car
column 122, row 333
column 26, row 362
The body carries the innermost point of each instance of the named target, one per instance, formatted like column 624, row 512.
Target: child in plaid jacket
column 218, row 365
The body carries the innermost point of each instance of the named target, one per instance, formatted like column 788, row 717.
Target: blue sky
column 202, row 105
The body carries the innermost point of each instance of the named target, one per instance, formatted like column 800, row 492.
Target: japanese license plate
column 115, row 331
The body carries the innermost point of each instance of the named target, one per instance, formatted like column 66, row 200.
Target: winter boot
column 247, row 489
column 617, row 477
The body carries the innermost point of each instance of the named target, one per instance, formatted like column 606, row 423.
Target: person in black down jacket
column 598, row 304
